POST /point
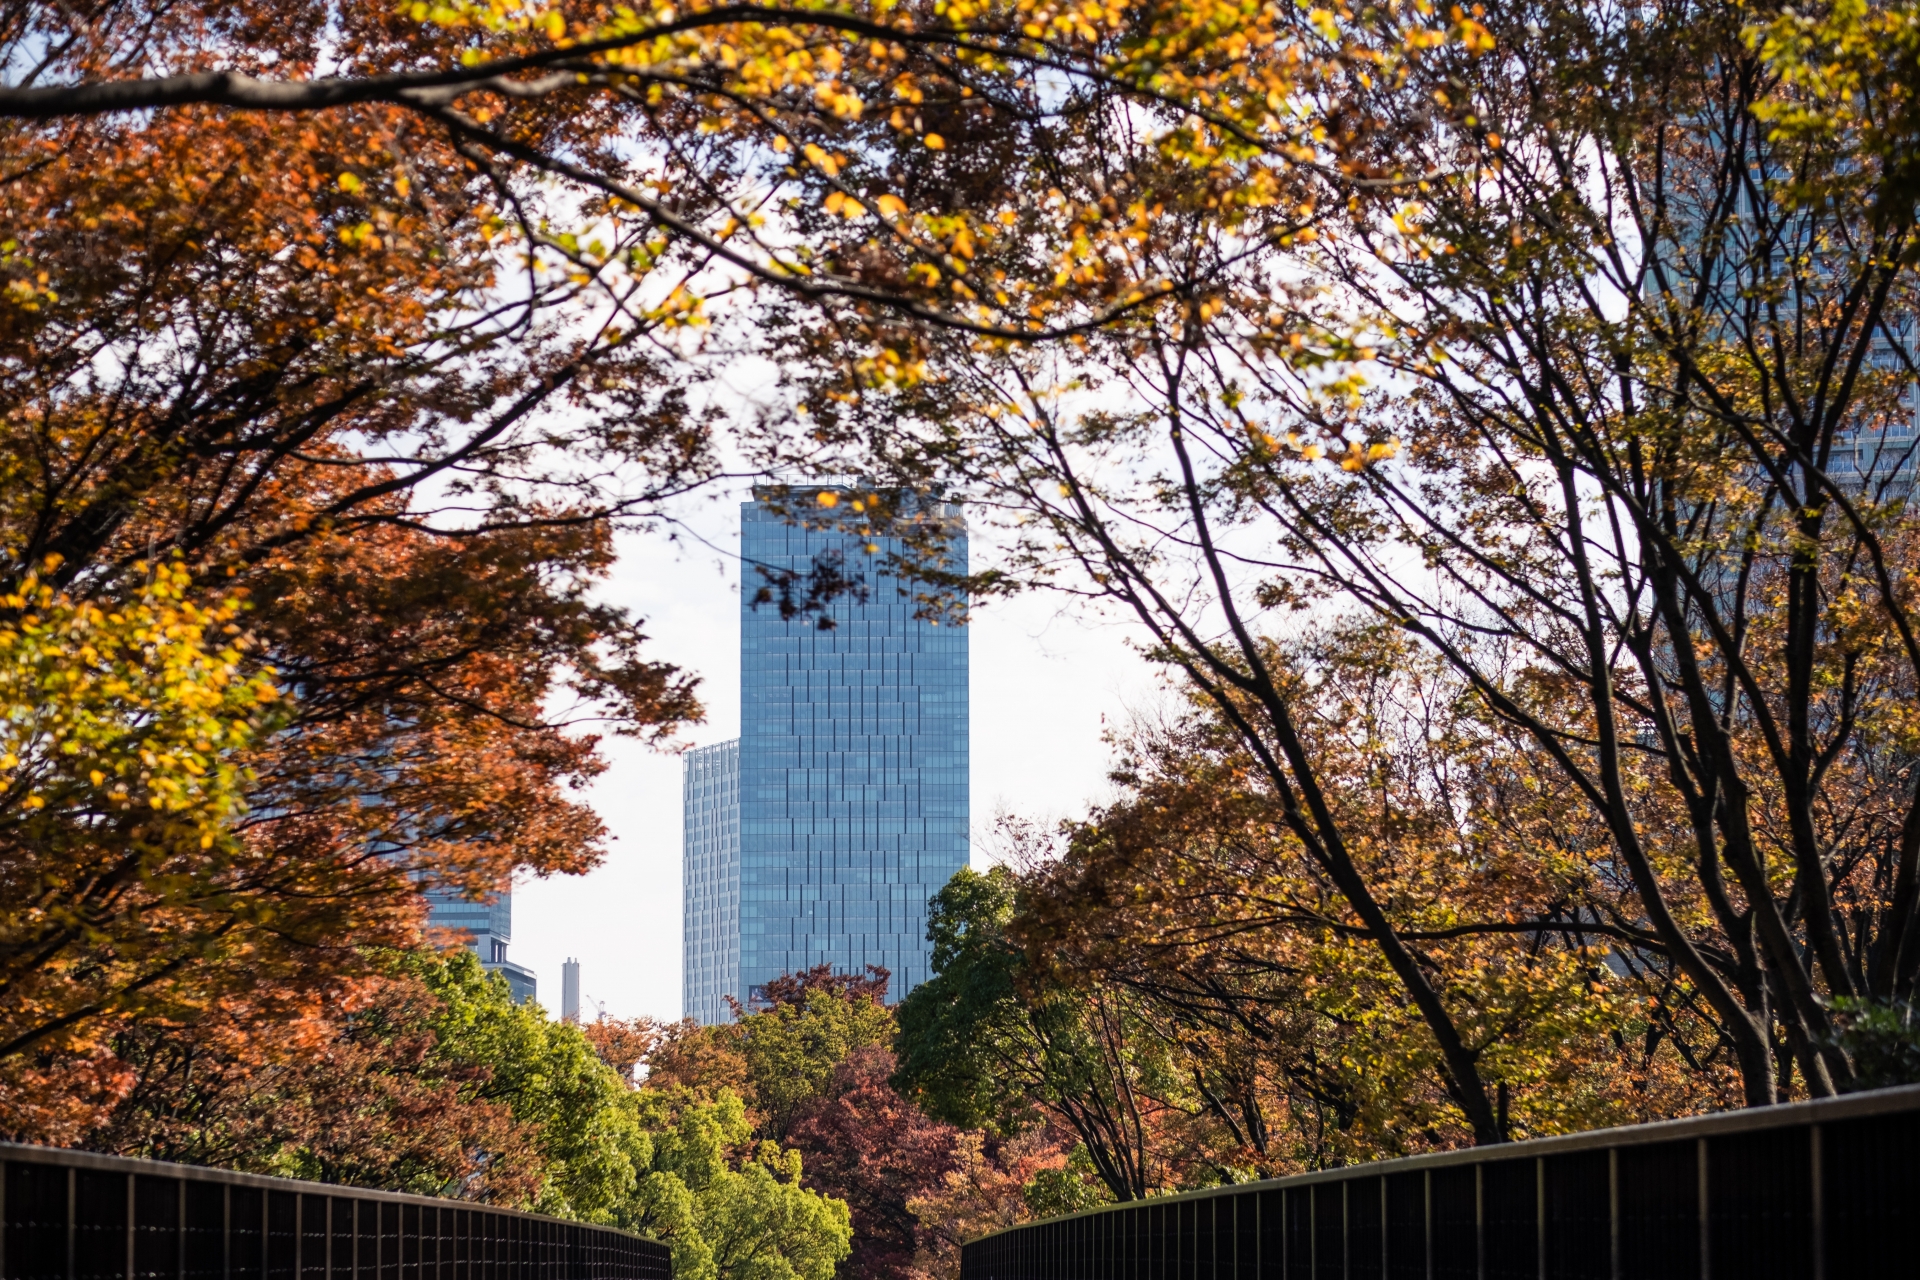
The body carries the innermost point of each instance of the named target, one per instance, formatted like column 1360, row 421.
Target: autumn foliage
column 1480, row 412
column 275, row 526
column 813, row 1069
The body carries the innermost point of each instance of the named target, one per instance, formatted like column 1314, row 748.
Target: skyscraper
column 851, row 768
column 488, row 926
column 710, row 920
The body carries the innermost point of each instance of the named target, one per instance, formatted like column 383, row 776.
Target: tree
column 738, row 110
column 990, row 1042
column 745, row 1218
column 435, row 1082
column 1724, row 620
column 427, row 1078
column 422, row 741
column 1300, row 1047
column 808, row 1067
column 210, row 363
column 702, row 1060
column 261, row 315
column 985, row 1191
column 792, row 1050
column 124, row 780
column 423, row 731
column 863, row 1143
column 1619, row 345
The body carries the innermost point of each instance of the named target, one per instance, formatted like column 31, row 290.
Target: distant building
column 710, row 922
column 570, row 991
column 488, row 926
column 1728, row 255
column 819, row 835
column 853, row 755
column 1881, row 458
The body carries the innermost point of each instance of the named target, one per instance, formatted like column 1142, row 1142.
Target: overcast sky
column 1042, row 682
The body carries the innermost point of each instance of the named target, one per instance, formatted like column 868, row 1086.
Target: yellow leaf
column 935, row 142
column 349, row 183
column 891, row 205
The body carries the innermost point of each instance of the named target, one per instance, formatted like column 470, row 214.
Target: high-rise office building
column 1882, row 458
column 851, row 769
column 488, row 925
column 1734, row 252
column 710, row 919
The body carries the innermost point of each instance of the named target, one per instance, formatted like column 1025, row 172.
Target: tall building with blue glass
column 486, row 924
column 710, row 916
column 852, row 760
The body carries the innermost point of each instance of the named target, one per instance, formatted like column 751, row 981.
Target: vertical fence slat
column 1426, row 1208
column 1706, row 1216
column 1817, row 1203
column 1613, row 1211
column 1540, row 1216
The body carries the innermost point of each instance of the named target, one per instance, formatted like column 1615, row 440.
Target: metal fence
column 70, row 1215
column 1826, row 1190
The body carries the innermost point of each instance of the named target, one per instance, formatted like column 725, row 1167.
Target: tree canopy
column 1501, row 419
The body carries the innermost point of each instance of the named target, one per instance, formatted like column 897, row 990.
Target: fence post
column 1426, row 1196
column 1346, row 1229
column 1706, row 1219
column 1819, row 1207
column 129, row 1231
column 1540, row 1211
column 1480, row 1221
column 1386, row 1231
column 1286, row 1232
column 1613, row 1211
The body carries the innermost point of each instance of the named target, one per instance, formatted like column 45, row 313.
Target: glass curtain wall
column 853, row 752
column 710, row 929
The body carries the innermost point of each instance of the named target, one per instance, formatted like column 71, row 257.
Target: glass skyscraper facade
column 852, row 762
column 488, row 926
column 710, row 919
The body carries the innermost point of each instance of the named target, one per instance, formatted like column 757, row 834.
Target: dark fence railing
column 1826, row 1190
column 71, row 1215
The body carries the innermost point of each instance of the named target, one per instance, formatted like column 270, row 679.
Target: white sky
column 1043, row 680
